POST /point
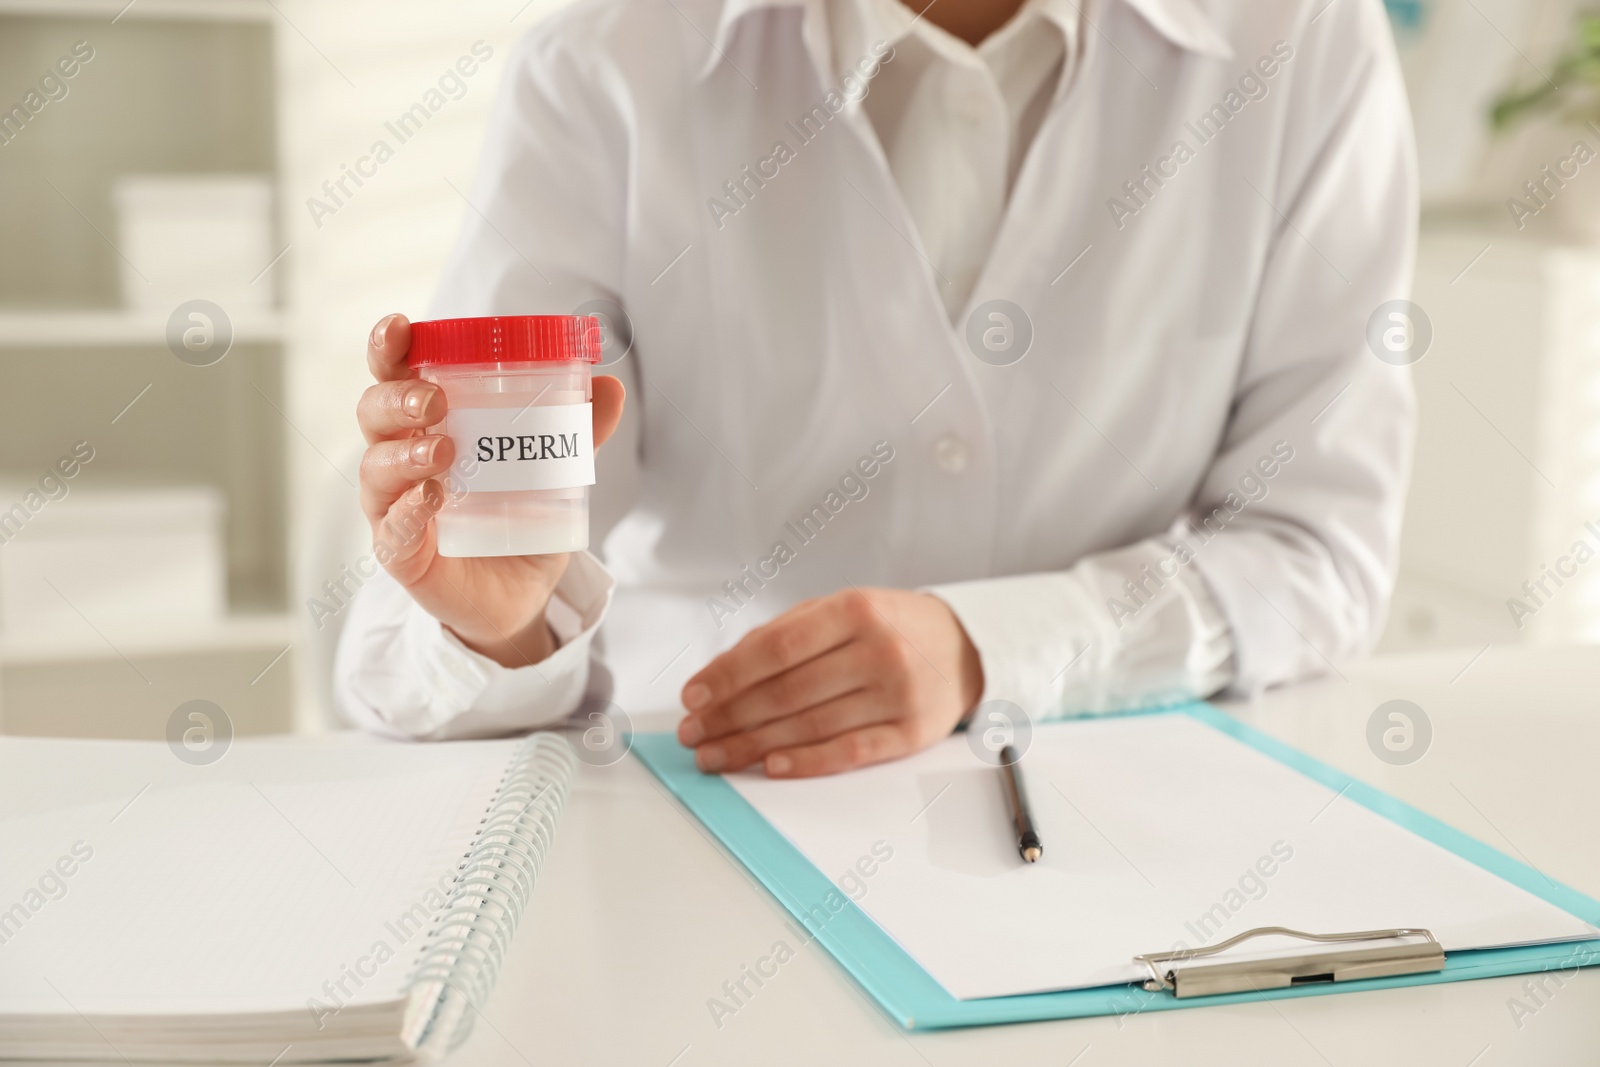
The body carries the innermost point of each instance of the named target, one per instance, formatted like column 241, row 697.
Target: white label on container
column 500, row 450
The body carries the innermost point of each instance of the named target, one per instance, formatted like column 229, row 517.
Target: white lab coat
column 1198, row 361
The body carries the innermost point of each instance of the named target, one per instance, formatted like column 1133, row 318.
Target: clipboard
column 1380, row 959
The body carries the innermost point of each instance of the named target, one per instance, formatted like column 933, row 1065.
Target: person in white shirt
column 1005, row 351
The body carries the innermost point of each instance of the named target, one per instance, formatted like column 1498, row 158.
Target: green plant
column 1572, row 89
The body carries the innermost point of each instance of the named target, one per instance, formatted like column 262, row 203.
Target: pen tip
column 1032, row 854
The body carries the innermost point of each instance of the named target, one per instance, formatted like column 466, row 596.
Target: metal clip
column 1173, row 970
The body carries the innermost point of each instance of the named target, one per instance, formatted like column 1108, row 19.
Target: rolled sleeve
column 400, row 672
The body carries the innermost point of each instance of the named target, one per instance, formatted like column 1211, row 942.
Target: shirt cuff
column 1082, row 640
column 449, row 691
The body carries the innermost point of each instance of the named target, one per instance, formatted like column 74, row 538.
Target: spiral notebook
column 297, row 900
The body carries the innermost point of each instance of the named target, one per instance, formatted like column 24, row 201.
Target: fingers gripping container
column 518, row 391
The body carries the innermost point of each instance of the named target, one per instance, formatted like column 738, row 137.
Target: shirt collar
column 892, row 21
column 732, row 12
column 1183, row 22
column 1186, row 24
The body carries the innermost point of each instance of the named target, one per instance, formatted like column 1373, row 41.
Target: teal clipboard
column 913, row 999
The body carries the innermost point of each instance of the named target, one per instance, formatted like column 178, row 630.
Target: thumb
column 608, row 399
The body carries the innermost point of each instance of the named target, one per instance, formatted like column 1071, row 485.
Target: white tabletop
column 640, row 916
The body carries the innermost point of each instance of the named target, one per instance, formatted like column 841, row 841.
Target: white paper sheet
column 1159, row 832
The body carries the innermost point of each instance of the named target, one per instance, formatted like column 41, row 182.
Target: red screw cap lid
column 506, row 339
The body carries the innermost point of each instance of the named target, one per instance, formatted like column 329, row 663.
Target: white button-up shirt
column 1150, row 454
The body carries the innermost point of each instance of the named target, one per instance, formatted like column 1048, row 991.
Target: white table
column 640, row 916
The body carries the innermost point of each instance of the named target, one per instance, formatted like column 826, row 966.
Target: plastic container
column 519, row 411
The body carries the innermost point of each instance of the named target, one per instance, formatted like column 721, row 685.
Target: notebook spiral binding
column 468, row 942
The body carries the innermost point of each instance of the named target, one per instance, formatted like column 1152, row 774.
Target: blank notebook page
column 243, row 886
column 1157, row 830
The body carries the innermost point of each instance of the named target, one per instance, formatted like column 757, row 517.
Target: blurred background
column 177, row 503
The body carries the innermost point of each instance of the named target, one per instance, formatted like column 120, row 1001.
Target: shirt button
column 952, row 454
column 458, row 667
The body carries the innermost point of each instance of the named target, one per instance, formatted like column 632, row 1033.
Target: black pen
column 1028, row 843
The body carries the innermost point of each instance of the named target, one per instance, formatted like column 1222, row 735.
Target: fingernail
column 691, row 733
column 416, row 400
column 697, row 695
column 376, row 340
column 422, row 451
column 711, row 758
column 778, row 763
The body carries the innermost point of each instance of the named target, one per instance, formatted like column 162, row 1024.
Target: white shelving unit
column 102, row 329
column 185, row 10
column 175, row 86
column 1507, row 468
column 234, row 633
